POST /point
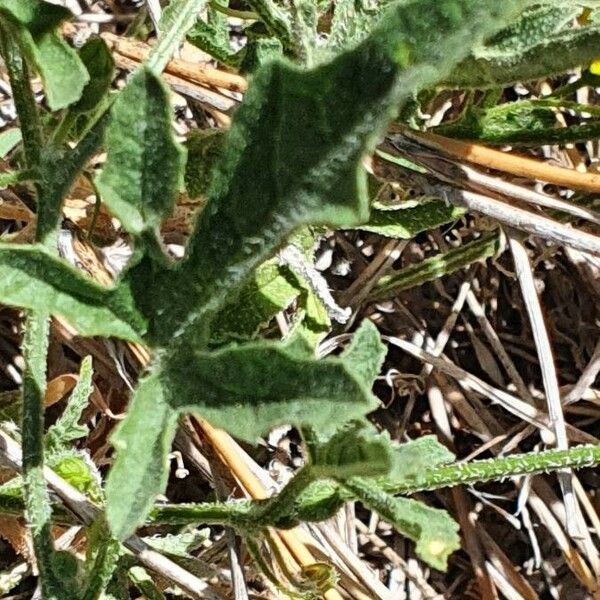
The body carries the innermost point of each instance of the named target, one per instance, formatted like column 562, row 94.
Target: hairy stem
column 35, row 341
column 499, row 468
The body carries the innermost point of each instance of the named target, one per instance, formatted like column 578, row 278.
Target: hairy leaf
column 144, row 166
column 353, row 451
column 100, row 66
column 8, row 140
column 524, row 122
column 175, row 21
column 405, row 223
column 142, row 442
column 433, row 530
column 437, row 266
column 67, row 428
column 33, row 23
column 292, row 155
column 537, row 55
column 246, row 390
column 32, row 278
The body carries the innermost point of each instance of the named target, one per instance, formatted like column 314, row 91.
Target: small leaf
column 406, row 223
column 60, row 68
column 67, row 428
column 142, row 441
column 436, row 266
column 37, row 16
column 433, row 530
column 100, row 66
column 33, row 23
column 411, row 459
column 526, row 122
column 204, row 148
column 353, row 451
column 31, row 278
column 144, row 583
column 365, row 354
column 144, row 166
column 179, row 544
column 78, row 470
column 8, row 140
column 175, row 21
column 534, row 56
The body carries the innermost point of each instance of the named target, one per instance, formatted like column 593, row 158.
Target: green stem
column 499, row 468
column 23, row 96
column 247, row 15
column 35, row 341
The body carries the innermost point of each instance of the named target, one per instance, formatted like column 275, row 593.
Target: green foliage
column 406, row 222
column 544, row 42
column 527, row 122
column 292, row 160
column 67, row 428
column 33, row 278
column 143, row 171
column 437, row 266
column 247, row 389
column 33, row 23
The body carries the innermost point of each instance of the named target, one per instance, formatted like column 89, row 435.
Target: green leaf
column 270, row 290
column 32, row 278
column 250, row 389
column 67, row 428
column 353, row 20
column 33, row 23
column 365, row 354
column 102, row 558
column 212, row 36
column 292, row 156
column 60, row 68
column 411, row 459
column 247, row 390
column 436, row 266
column 433, row 530
column 144, row 583
column 100, row 66
column 406, row 223
column 535, row 55
column 8, row 140
column 179, row 544
column 142, row 441
column 78, row 470
column 144, row 166
column 204, row 148
column 175, row 21
column 524, row 122
column 353, row 451
column 37, row 16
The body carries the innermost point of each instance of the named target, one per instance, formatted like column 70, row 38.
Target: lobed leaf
column 67, row 427
column 247, row 390
column 292, row 156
